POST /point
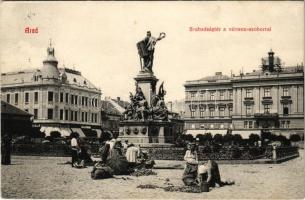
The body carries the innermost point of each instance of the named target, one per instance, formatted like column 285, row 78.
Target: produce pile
column 148, row 186
column 143, row 172
column 189, row 189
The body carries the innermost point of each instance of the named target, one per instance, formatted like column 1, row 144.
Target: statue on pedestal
column 146, row 49
column 138, row 108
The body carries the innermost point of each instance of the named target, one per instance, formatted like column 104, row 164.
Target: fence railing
column 158, row 153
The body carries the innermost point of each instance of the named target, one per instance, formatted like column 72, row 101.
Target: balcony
column 286, row 100
column 267, row 100
column 248, row 101
column 266, row 115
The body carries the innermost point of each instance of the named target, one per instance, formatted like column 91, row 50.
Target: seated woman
column 209, row 172
column 191, row 166
column 118, row 162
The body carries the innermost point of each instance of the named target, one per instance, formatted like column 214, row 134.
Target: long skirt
column 190, row 174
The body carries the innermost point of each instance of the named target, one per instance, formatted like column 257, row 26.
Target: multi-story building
column 269, row 99
column 60, row 99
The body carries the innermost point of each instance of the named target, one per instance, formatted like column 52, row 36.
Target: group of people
column 197, row 174
column 116, row 158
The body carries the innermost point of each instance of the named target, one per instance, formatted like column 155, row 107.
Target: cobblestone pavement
column 43, row 177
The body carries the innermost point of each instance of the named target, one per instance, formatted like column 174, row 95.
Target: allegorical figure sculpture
column 146, row 49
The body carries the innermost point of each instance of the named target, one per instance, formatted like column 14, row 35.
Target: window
column 16, row 98
column 86, row 117
column 50, row 96
column 50, row 113
column 66, row 115
column 75, row 115
column 267, row 92
column 82, row 116
column 249, row 93
column 221, row 112
column 245, row 124
column 72, row 99
column 212, row 95
column 287, row 124
column 212, row 110
column 283, row 124
column 86, row 101
column 230, row 110
column 35, row 113
column 76, row 97
column 250, row 124
column 192, row 113
column 61, row 114
column 96, row 103
column 71, row 115
column 230, row 94
column 201, row 110
column 8, row 98
column 67, row 97
column 256, row 124
column 248, row 110
column 221, row 93
column 285, row 110
column 83, row 101
column 61, row 98
column 26, row 97
column 35, row 97
column 202, row 93
column 285, row 91
column 266, row 109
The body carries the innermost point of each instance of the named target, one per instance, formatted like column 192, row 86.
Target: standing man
column 6, row 149
column 74, row 147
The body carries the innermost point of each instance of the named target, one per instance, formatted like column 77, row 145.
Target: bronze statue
column 146, row 49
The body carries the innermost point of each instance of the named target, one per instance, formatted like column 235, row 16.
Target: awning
column 195, row 132
column 246, row 133
column 79, row 131
column 48, row 130
column 65, row 132
column 99, row 132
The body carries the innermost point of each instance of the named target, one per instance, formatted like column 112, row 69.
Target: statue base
column 147, row 133
column 147, row 82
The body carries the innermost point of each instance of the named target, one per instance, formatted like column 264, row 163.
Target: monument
column 147, row 120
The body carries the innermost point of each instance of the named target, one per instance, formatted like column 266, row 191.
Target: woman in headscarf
column 191, row 166
column 118, row 162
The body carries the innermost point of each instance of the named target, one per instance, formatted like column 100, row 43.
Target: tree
column 237, row 139
column 295, row 138
column 55, row 134
column 253, row 138
column 201, row 138
column 187, row 137
column 228, row 138
column 218, row 138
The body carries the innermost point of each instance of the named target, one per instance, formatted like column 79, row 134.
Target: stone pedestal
column 147, row 132
column 147, row 82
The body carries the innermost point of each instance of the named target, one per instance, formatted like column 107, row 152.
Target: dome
column 49, row 68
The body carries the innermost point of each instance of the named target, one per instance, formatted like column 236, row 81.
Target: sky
column 99, row 39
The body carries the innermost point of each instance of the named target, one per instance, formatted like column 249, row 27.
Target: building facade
column 269, row 99
column 60, row 99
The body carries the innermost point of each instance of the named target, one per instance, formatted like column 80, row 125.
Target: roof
column 121, row 103
column 17, row 77
column 215, row 78
column 9, row 109
column 109, row 108
column 75, row 78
